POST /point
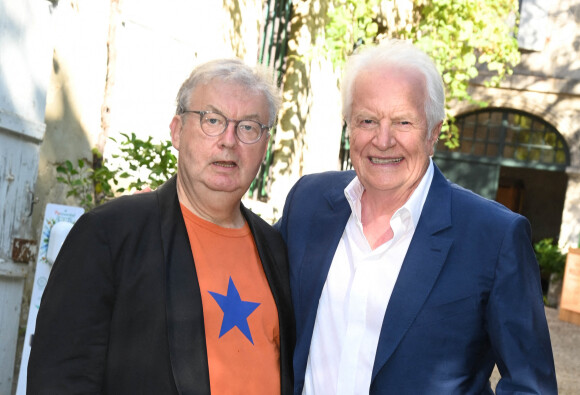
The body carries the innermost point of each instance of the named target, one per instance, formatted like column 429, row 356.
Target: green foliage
column 93, row 182
column 102, row 177
column 79, row 181
column 461, row 36
column 88, row 182
column 550, row 258
column 157, row 160
column 350, row 22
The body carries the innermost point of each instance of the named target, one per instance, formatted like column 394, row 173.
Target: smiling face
column 390, row 149
column 209, row 165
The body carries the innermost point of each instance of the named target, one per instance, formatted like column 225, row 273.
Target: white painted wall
column 157, row 48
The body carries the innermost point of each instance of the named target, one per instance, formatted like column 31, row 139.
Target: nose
column 228, row 137
column 384, row 137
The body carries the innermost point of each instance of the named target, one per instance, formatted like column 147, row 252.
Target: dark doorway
column 536, row 194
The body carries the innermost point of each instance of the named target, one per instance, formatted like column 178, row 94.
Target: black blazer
column 122, row 311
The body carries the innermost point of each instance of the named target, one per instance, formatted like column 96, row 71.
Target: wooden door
column 25, row 67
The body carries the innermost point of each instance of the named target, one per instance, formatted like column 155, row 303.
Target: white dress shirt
column 355, row 296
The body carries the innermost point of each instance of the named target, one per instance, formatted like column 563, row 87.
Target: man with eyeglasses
column 182, row 290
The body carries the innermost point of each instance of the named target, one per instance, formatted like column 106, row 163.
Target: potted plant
column 552, row 264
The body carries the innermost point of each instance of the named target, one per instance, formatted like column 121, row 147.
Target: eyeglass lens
column 214, row 124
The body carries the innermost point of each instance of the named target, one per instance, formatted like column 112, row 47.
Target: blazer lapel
column 326, row 229
column 421, row 266
column 185, row 324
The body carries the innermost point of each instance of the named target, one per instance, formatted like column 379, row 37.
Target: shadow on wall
column 306, row 23
column 235, row 31
column 66, row 139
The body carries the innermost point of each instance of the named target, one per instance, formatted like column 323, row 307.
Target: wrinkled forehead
column 391, row 86
column 231, row 98
column 225, row 86
column 373, row 74
column 409, row 74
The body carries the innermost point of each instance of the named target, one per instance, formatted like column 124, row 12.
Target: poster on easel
column 58, row 219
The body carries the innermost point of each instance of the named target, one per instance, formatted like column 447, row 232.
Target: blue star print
column 236, row 311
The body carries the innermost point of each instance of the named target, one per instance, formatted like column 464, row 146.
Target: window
column 509, row 136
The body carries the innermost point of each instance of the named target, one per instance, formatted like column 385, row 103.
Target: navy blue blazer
column 468, row 295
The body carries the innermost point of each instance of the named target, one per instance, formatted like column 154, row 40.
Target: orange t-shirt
column 240, row 316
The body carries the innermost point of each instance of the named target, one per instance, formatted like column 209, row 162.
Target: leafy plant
column 88, row 181
column 93, row 182
column 145, row 157
column 351, row 23
column 79, row 180
column 550, row 258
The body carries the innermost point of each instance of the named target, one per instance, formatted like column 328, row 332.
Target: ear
column 435, row 136
column 176, row 127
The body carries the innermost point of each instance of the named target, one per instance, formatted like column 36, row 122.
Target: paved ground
column 566, row 346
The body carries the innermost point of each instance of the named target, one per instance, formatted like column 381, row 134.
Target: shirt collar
column 354, row 191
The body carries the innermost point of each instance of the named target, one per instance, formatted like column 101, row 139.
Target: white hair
column 257, row 79
column 401, row 54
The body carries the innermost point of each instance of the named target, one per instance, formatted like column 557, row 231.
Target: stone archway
column 513, row 157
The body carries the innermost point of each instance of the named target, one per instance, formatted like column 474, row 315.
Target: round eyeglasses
column 213, row 124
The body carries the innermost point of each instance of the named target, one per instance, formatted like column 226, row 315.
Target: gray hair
column 403, row 54
column 257, row 79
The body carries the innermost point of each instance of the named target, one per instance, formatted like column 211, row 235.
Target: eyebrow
column 252, row 117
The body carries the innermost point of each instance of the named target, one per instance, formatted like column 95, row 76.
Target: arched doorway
column 515, row 158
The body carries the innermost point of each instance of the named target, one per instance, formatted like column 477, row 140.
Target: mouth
column 226, row 164
column 384, row 161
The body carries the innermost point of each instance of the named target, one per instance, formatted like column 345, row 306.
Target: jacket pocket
column 432, row 314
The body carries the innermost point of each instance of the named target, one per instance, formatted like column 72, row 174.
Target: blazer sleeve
column 70, row 342
column 282, row 224
column 516, row 320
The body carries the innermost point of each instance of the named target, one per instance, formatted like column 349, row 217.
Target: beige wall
column 546, row 83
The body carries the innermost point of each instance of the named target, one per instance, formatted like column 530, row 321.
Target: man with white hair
column 403, row 283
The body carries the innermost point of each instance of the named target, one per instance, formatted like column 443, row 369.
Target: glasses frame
column 228, row 120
